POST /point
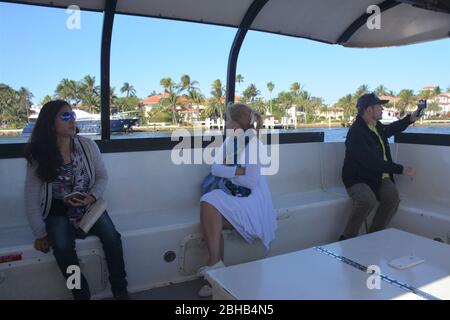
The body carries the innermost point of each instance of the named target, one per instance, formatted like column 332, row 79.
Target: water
column 331, row 134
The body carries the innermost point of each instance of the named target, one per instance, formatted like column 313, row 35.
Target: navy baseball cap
column 368, row 100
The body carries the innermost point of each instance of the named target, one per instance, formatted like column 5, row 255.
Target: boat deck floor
column 179, row 291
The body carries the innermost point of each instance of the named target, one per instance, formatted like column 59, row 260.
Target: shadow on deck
column 179, row 291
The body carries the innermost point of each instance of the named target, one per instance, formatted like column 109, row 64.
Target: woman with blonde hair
column 247, row 204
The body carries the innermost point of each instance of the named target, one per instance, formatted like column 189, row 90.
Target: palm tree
column 92, row 102
column 361, row 90
column 168, row 84
column 346, row 103
column 46, row 99
column 433, row 107
column 437, row 91
column 250, row 94
column 25, row 97
column 296, row 88
column 69, row 90
column 187, row 84
column 128, row 89
column 426, row 94
column 270, row 87
column 5, row 102
column 239, row 79
column 90, row 94
column 197, row 98
column 302, row 99
column 62, row 89
column 406, row 99
column 314, row 105
column 14, row 105
column 171, row 102
column 190, row 87
column 217, row 89
column 217, row 93
column 259, row 105
column 212, row 109
column 381, row 90
column 25, row 93
column 88, row 85
column 284, row 101
column 112, row 97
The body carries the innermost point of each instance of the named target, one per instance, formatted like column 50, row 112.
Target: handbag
column 211, row 182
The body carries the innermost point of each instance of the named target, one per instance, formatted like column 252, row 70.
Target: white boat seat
column 20, row 238
column 426, row 218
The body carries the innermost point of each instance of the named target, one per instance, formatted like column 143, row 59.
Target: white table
column 312, row 274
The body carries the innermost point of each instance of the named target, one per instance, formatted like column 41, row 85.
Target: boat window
column 48, row 53
column 316, row 85
column 167, row 76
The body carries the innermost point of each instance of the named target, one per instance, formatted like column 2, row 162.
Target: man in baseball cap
column 368, row 167
column 368, row 100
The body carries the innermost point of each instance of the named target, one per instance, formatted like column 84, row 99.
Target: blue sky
column 37, row 51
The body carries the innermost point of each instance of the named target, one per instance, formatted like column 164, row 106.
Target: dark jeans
column 62, row 235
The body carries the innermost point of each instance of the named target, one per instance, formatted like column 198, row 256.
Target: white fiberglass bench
column 157, row 213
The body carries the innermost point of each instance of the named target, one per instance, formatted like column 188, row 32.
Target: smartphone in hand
column 77, row 195
column 421, row 107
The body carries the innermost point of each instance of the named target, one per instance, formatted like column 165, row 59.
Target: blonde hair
column 246, row 116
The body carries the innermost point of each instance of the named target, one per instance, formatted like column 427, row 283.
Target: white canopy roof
column 322, row 20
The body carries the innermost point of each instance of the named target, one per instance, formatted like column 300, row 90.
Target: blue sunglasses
column 66, row 116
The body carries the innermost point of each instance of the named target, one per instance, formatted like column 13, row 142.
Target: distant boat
column 89, row 123
column 387, row 119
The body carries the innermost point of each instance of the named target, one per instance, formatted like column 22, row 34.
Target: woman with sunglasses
column 59, row 163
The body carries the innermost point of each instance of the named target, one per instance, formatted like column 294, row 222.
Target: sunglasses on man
column 66, row 116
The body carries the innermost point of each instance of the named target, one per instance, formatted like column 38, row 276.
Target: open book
column 92, row 214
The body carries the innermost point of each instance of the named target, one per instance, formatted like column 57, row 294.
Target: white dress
column 254, row 216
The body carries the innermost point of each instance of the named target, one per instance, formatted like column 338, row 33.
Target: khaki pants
column 364, row 201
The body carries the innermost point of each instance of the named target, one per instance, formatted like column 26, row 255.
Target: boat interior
column 154, row 203
column 157, row 213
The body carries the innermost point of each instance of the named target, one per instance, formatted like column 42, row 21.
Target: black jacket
column 364, row 160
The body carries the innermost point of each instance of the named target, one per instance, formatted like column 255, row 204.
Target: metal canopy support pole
column 247, row 21
column 361, row 21
column 108, row 20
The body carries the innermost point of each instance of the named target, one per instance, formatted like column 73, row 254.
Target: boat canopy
column 341, row 22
